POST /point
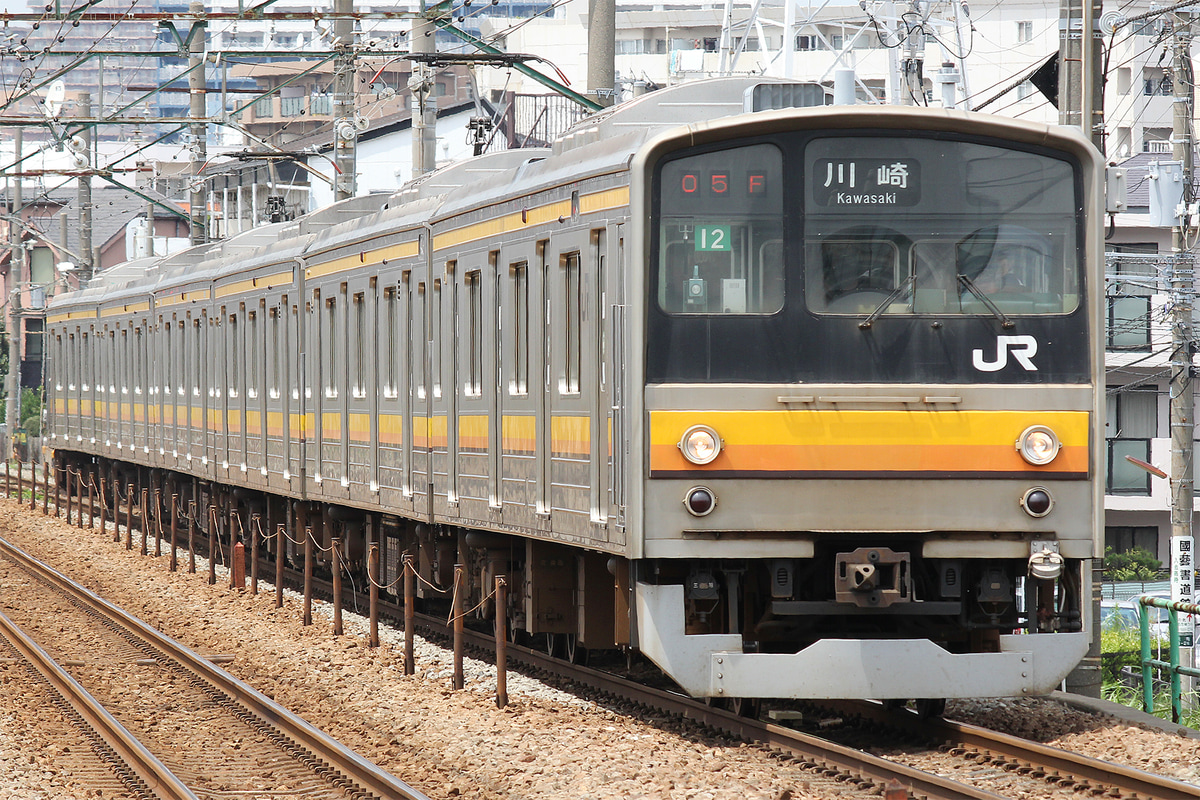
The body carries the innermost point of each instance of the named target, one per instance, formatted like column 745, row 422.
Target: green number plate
column 712, row 237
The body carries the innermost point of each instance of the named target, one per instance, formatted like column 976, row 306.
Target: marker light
column 1038, row 445
column 700, row 501
column 1037, row 502
column 700, row 444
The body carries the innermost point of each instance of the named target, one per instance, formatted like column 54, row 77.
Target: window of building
column 1123, row 538
column 1130, row 424
column 1025, row 31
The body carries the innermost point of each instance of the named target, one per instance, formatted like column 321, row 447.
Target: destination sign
column 863, row 182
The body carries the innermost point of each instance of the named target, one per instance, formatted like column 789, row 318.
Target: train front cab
column 870, row 407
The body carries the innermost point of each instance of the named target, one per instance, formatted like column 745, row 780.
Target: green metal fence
column 1177, row 671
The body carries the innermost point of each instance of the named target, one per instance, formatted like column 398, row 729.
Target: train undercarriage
column 721, row 627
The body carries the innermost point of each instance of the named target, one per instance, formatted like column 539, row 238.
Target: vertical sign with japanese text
column 1183, row 584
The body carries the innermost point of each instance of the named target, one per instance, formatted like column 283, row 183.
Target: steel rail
column 1127, row 780
column 157, row 778
column 350, row 764
column 812, row 750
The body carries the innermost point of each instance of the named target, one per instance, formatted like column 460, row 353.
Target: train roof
column 602, row 143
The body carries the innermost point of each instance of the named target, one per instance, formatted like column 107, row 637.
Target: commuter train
column 797, row 401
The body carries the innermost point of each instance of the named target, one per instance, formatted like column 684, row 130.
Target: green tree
column 1132, row 565
column 31, row 411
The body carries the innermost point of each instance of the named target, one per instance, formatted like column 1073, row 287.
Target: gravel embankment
column 545, row 744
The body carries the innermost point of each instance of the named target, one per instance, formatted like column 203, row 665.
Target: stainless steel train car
column 797, row 402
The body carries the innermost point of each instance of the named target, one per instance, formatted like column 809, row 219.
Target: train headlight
column 1038, row 445
column 700, row 501
column 700, row 444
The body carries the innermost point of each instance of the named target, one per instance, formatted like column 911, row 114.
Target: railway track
column 960, row 751
column 172, row 724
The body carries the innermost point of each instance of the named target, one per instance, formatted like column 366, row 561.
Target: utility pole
column 1183, row 286
column 1080, row 73
column 85, row 192
column 345, row 132
column 16, row 274
column 914, row 58
column 198, row 111
column 602, row 49
column 423, row 41
column 1080, row 104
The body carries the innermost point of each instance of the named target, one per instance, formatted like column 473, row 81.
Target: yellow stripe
column 588, row 204
column 128, row 308
column 182, row 297
column 331, row 426
column 275, row 423
column 571, row 435
column 869, row 441
column 89, row 314
column 520, row 434
column 473, row 432
column 391, row 429
column 360, row 427
column 402, row 250
column 264, row 281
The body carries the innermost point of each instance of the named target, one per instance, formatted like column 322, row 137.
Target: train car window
column 720, row 247
column 389, row 339
column 574, row 310
column 275, row 351
column 519, row 384
column 252, row 357
column 416, row 346
column 928, row 226
column 233, row 344
column 329, row 351
column 435, row 334
column 473, row 286
column 359, row 379
column 70, row 354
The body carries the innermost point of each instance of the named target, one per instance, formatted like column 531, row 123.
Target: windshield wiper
column 874, row 315
column 982, row 297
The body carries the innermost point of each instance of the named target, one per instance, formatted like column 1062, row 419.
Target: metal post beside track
column 336, row 556
column 144, row 522
column 308, row 575
column 192, row 537
column 373, row 580
column 457, row 613
column 103, row 503
column 410, row 594
column 32, row 486
column 128, row 517
column 279, row 559
column 45, row 489
column 255, row 527
column 91, row 502
column 157, row 522
column 501, row 641
column 212, row 543
column 174, row 565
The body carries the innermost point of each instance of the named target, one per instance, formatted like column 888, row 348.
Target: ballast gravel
column 458, row 744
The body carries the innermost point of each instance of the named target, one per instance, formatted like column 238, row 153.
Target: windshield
column 956, row 225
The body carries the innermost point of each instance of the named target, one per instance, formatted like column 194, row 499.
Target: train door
column 318, row 339
column 595, row 374
column 542, row 390
column 618, row 455
column 447, row 337
column 495, row 413
column 361, row 406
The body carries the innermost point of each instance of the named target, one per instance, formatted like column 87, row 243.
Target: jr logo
column 1023, row 349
